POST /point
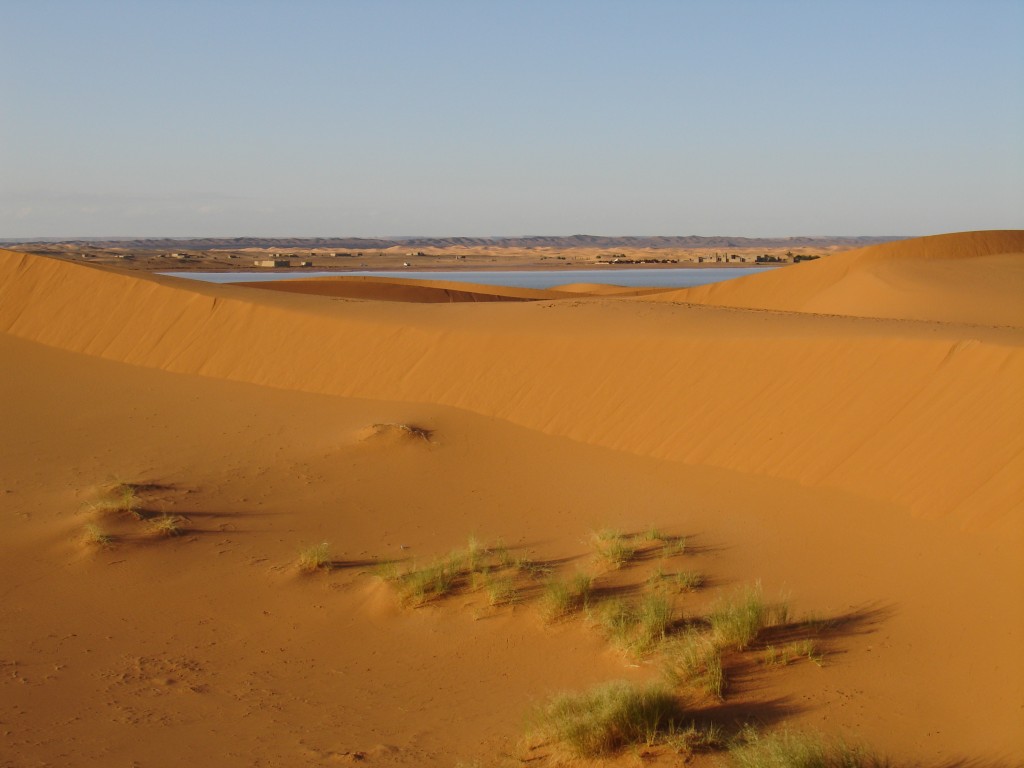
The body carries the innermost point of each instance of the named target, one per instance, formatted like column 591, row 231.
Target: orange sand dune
column 870, row 468
column 400, row 289
column 893, row 411
column 598, row 289
column 975, row 277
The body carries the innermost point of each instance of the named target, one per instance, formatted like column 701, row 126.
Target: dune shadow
column 973, row 762
column 734, row 716
column 340, row 565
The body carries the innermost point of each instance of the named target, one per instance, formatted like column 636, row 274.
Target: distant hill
column 571, row 241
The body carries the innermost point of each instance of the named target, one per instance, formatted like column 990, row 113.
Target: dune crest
column 401, row 289
column 967, row 277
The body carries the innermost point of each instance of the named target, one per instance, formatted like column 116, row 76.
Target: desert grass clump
column 737, row 620
column 809, row 647
column 421, row 585
column 787, row 749
column 119, row 497
column 96, row 537
column 502, row 557
column 674, row 547
column 474, row 556
column 798, row 649
column 315, row 557
column 501, row 590
column 613, row 548
column 689, row 581
column 653, row 534
column 637, row 628
column 387, row 570
column 166, row 525
column 532, row 568
column 688, row 739
column 683, row 581
column 562, row 598
column 607, row 718
column 695, row 660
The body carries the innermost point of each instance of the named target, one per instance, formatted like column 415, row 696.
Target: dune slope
column 787, row 446
column 925, row 415
column 399, row 289
column 974, row 277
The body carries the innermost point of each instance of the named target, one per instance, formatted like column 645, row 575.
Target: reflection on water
column 534, row 278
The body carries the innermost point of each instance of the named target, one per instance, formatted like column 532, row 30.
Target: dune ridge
column 401, row 289
column 924, row 414
column 972, row 277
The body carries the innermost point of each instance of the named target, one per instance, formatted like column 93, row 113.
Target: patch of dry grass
column 315, row 557
column 608, row 717
column 96, row 537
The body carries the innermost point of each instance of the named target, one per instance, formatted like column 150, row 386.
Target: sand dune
column 398, row 289
column 869, row 465
column 975, row 277
column 896, row 411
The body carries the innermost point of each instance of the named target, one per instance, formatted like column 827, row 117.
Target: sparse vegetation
column 532, row 567
column 562, row 598
column 420, row 585
column 674, row 547
column 696, row 660
column 96, row 537
column 686, row 740
column 737, row 621
column 119, row 497
column 653, row 534
column 688, row 581
column 167, row 525
column 608, row 717
column 501, row 590
column 636, row 628
column 315, row 557
column 787, row 749
column 684, row 581
column 798, row 649
column 613, row 548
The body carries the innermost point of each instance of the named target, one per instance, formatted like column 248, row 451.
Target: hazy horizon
column 83, row 238
column 782, row 119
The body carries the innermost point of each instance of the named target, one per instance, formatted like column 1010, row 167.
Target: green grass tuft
column 501, row 590
column 120, row 497
column 737, row 620
column 608, row 717
column 637, row 628
column 696, row 660
column 613, row 548
column 653, row 534
column 786, row 749
column 674, row 547
column 562, row 598
column 422, row 585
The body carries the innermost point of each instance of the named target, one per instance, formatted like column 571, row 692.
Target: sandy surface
column 850, row 432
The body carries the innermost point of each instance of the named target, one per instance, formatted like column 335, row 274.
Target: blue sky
column 438, row 117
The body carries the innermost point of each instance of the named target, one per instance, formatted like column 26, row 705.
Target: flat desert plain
column 229, row 513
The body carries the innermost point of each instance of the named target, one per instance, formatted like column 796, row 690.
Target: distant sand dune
column 927, row 415
column 975, row 277
column 399, row 289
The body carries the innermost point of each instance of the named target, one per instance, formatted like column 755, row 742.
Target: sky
column 220, row 118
